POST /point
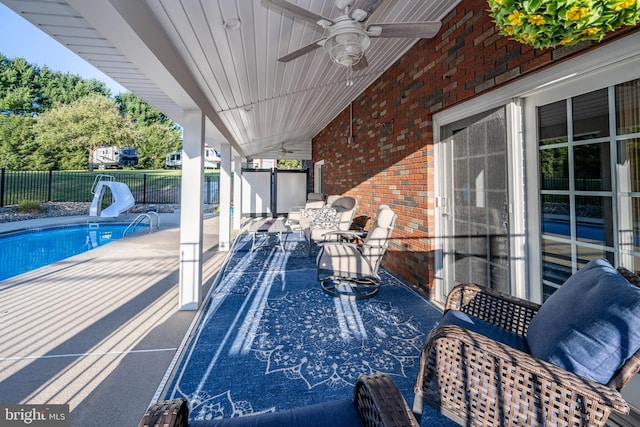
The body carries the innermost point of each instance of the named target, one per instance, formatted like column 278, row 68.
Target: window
column 589, row 166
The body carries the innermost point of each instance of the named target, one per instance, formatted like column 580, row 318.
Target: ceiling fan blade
column 295, row 10
column 368, row 6
column 297, row 53
column 361, row 65
column 416, row 30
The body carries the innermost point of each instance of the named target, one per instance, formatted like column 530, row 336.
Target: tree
column 17, row 145
column 156, row 140
column 139, row 112
column 28, row 89
column 159, row 134
column 82, row 126
column 18, row 91
column 59, row 88
column 289, row 164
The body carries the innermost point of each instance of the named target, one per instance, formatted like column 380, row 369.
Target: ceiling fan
column 281, row 150
column 347, row 35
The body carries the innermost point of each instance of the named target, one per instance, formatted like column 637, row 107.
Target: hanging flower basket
column 550, row 23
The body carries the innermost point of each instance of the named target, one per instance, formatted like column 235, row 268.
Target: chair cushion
column 344, row 204
column 344, row 260
column 338, row 413
column 489, row 330
column 591, row 325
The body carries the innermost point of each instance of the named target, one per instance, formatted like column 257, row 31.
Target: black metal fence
column 65, row 186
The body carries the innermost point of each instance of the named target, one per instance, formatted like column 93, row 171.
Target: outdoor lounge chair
column 350, row 269
column 336, row 215
column 376, row 402
column 495, row 360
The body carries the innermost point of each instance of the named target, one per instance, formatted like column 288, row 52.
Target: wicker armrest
column 475, row 380
column 506, row 311
column 380, row 402
column 167, row 413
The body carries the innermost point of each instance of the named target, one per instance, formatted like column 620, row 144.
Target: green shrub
column 29, row 206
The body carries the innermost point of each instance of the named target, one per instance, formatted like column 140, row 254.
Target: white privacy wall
column 256, row 192
column 291, row 190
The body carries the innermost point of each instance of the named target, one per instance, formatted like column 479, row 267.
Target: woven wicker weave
column 479, row 382
column 167, row 413
column 376, row 397
column 380, row 403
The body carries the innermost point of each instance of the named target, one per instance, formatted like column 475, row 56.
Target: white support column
column 224, row 238
column 237, row 192
column 191, row 217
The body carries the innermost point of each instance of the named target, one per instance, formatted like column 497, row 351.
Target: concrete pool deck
column 99, row 330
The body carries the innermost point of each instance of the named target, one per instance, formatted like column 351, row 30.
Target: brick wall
column 391, row 158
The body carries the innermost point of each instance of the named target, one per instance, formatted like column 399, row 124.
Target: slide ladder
column 122, row 199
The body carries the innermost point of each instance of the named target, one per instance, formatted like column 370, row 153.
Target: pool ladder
column 141, row 218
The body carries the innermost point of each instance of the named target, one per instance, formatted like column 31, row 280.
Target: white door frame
column 317, row 184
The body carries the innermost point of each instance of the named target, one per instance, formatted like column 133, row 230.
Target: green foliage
column 80, row 127
column 139, row 112
column 51, row 120
column 550, row 23
column 16, row 141
column 289, row 164
column 29, row 206
column 156, row 141
column 26, row 89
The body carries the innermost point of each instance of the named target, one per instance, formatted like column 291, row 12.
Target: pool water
column 27, row 250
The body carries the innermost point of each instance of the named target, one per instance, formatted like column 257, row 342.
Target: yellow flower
column 498, row 2
column 515, row 18
column 536, row 20
column 623, row 5
column 566, row 40
column 590, row 31
column 528, row 37
column 576, row 13
column 508, row 29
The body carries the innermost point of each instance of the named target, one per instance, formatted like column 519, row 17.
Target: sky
column 21, row 39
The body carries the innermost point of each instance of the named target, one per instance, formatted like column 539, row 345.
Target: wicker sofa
column 478, row 369
column 377, row 402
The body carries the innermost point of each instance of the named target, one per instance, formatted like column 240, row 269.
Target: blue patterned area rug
column 270, row 339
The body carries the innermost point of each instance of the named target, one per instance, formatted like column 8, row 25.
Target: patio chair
column 376, row 402
column 336, row 215
column 349, row 269
column 496, row 360
column 314, row 201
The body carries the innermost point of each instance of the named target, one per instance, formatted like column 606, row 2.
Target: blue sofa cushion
column 337, row 413
column 489, row 330
column 591, row 325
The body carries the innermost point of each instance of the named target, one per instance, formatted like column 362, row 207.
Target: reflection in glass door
column 476, row 210
column 589, row 160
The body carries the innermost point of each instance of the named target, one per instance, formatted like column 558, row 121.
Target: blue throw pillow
column 591, row 325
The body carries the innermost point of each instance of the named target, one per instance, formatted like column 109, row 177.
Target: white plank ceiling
column 177, row 55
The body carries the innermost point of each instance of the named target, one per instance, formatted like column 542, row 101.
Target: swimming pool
column 30, row 249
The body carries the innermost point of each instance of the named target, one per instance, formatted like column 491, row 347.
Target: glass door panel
column 477, row 215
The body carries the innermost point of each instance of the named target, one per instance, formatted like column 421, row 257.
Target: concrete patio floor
column 98, row 330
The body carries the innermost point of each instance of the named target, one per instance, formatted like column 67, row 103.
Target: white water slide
column 122, row 199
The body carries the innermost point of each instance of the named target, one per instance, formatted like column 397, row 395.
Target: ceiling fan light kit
column 346, row 46
column 348, row 36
